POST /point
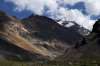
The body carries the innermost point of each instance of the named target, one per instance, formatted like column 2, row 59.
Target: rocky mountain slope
column 89, row 47
column 73, row 25
column 34, row 38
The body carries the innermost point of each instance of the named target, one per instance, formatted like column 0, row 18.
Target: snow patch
column 60, row 22
column 69, row 25
column 63, row 19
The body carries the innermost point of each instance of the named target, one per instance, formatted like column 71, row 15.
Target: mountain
column 36, row 38
column 89, row 47
column 73, row 25
column 46, row 28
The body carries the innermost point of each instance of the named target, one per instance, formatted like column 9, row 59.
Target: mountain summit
column 74, row 26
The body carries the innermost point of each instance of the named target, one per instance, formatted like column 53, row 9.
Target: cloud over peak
column 57, row 9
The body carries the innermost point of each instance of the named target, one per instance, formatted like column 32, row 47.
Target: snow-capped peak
column 64, row 19
column 69, row 24
column 73, row 25
column 66, row 22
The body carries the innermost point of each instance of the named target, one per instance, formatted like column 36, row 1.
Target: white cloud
column 56, row 10
column 31, row 5
column 75, row 15
column 92, row 7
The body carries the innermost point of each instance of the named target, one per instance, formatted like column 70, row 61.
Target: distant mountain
column 36, row 38
column 89, row 47
column 73, row 25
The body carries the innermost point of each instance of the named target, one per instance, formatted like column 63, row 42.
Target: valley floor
column 80, row 62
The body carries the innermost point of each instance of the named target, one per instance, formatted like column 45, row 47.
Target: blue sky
column 8, row 8
column 84, row 12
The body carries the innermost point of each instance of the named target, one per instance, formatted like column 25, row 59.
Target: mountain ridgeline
column 36, row 38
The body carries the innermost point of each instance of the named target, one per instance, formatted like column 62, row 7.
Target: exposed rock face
column 35, row 37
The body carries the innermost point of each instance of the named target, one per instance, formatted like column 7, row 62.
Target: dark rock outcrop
column 96, row 27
